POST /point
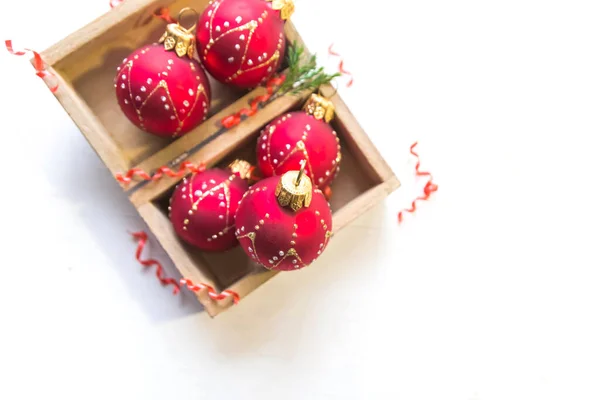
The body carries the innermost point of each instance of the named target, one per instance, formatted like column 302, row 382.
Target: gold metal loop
column 300, row 173
column 180, row 17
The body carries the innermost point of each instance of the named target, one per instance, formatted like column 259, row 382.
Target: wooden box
column 85, row 64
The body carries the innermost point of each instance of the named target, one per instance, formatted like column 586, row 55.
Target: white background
column 491, row 291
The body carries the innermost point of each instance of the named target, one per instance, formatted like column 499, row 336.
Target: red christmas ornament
column 241, row 42
column 281, row 225
column 298, row 136
column 164, row 92
column 203, row 206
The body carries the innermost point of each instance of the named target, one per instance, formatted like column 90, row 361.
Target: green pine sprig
column 303, row 76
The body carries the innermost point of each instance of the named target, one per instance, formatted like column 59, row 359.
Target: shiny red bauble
column 203, row 208
column 298, row 136
column 241, row 42
column 162, row 93
column 278, row 237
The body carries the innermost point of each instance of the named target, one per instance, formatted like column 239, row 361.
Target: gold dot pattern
column 216, row 33
column 169, row 105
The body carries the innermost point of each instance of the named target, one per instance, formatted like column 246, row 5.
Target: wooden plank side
column 364, row 202
column 98, row 29
column 90, row 126
column 356, row 137
column 292, row 35
column 243, row 288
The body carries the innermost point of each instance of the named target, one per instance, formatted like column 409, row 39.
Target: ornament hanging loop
column 182, row 13
column 300, row 173
column 180, row 39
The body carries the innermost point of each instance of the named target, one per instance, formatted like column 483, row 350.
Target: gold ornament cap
column 286, row 8
column 319, row 107
column 180, row 39
column 294, row 189
column 241, row 168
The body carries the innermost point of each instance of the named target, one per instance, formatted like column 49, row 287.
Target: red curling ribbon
column 429, row 188
column 341, row 68
column 163, row 13
column 128, row 177
column 234, row 119
column 254, row 175
column 197, row 287
column 327, row 192
column 38, row 63
column 142, row 239
column 185, row 168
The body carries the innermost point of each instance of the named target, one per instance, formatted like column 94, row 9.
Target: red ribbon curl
column 211, row 292
column 142, row 238
column 255, row 175
column 341, row 68
column 38, row 63
column 185, row 168
column 163, row 13
column 327, row 192
column 429, row 188
column 234, row 119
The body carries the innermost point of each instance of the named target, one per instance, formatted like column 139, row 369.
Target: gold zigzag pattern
column 164, row 85
column 251, row 27
column 211, row 192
